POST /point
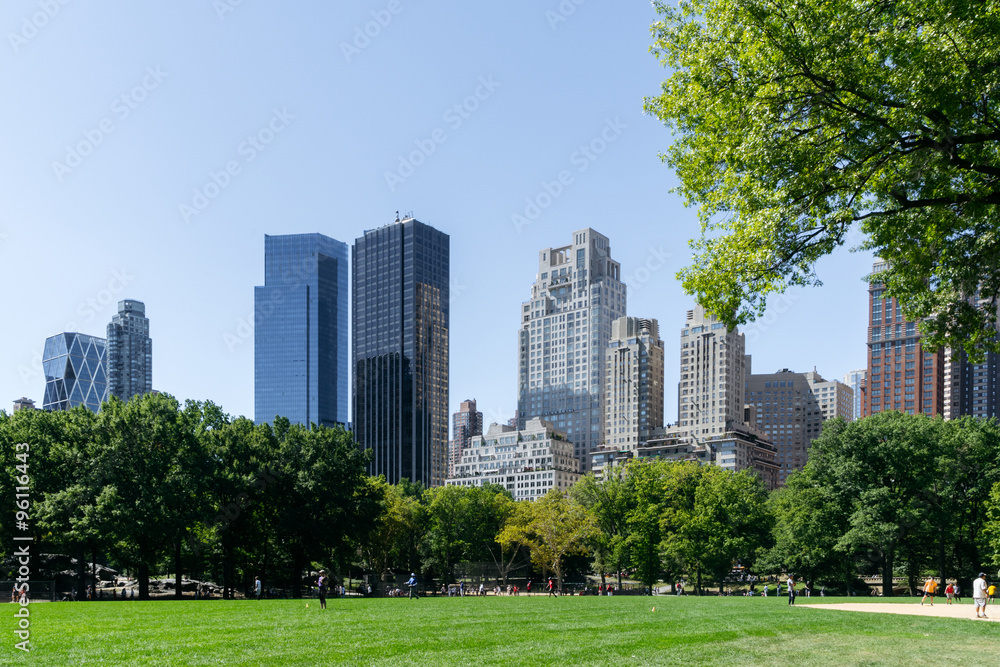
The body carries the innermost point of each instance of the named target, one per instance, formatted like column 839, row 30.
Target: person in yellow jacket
column 930, row 587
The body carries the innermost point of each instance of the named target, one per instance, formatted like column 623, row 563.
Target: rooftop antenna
column 397, row 216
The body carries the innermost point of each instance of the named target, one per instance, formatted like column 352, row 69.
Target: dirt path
column 941, row 610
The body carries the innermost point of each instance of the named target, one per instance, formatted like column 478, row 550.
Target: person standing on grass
column 412, row 584
column 990, row 592
column 552, row 590
column 949, row 592
column 321, row 585
column 528, row 587
column 256, row 587
column 791, row 589
column 930, row 587
column 979, row 594
column 958, row 593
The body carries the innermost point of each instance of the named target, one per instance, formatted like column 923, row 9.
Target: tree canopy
column 800, row 122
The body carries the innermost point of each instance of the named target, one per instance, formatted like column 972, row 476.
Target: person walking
column 322, row 584
column 930, row 587
column 551, row 587
column 958, row 593
column 765, row 590
column 979, row 594
column 256, row 587
column 949, row 592
column 791, row 589
column 412, row 583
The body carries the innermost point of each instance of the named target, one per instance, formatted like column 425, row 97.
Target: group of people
column 983, row 592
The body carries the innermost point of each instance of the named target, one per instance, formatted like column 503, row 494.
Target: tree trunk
column 698, row 586
column 178, row 593
column 887, row 574
column 81, row 573
column 143, row 579
column 227, row 571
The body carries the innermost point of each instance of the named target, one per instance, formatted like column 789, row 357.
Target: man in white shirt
column 979, row 594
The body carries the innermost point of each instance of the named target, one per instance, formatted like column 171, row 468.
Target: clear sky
column 146, row 148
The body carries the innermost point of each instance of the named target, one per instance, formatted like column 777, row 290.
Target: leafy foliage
column 798, row 123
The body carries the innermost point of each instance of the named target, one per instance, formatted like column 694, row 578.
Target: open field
column 508, row 631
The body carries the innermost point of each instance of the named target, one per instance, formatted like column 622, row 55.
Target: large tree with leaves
column 798, row 122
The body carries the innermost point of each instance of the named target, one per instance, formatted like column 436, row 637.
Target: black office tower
column 400, row 332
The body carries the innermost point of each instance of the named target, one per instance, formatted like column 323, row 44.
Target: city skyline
column 285, row 134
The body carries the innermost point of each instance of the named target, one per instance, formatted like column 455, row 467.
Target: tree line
column 155, row 486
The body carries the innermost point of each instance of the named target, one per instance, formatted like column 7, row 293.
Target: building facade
column 130, row 351
column 75, row 372
column 529, row 462
column 737, row 446
column 711, row 388
column 24, row 404
column 902, row 376
column 790, row 408
column 857, row 380
column 300, row 331
column 400, row 329
column 465, row 423
column 633, row 395
column 565, row 329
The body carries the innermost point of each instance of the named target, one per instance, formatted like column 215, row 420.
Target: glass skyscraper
column 75, row 372
column 401, row 320
column 130, row 351
column 300, row 331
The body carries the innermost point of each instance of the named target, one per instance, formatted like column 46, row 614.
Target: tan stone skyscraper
column 634, row 388
column 710, row 391
column 565, row 328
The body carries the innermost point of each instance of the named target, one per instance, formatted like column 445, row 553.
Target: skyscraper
column 300, row 331
column 902, row 376
column 711, row 388
column 130, row 351
column 971, row 388
column 857, row 380
column 791, row 407
column 565, row 329
column 75, row 372
column 634, row 391
column 465, row 423
column 400, row 333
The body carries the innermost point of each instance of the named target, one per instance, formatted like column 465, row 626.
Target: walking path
column 912, row 609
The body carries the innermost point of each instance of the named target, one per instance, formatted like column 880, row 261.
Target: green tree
column 727, row 523
column 152, row 467
column 552, row 528
column 798, row 121
column 810, row 517
column 610, row 501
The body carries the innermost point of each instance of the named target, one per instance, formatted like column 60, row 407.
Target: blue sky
column 146, row 148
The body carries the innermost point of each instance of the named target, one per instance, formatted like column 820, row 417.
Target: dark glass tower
column 401, row 319
column 75, row 374
column 130, row 351
column 300, row 331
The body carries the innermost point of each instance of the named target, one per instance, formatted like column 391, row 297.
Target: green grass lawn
column 505, row 631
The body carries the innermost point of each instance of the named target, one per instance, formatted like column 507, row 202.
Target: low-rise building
column 740, row 446
column 528, row 463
